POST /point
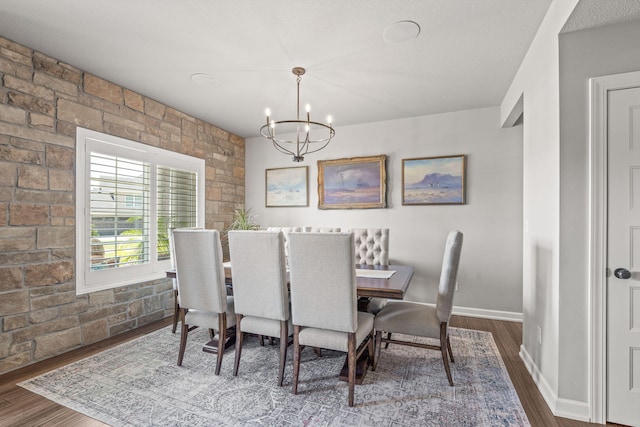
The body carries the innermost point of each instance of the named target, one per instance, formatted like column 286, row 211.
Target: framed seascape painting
column 355, row 183
column 434, row 180
column 287, row 187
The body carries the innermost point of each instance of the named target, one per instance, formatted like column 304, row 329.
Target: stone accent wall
column 42, row 100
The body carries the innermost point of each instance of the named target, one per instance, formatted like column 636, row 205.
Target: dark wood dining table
column 394, row 287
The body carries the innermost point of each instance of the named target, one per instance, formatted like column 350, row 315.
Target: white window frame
column 88, row 280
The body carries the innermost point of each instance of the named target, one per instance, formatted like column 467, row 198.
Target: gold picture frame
column 353, row 183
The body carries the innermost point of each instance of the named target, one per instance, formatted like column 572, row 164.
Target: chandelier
column 304, row 142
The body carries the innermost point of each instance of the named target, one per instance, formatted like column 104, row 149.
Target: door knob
column 622, row 273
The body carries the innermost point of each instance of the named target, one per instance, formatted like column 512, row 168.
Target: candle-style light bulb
column 329, row 120
column 308, row 108
column 267, row 112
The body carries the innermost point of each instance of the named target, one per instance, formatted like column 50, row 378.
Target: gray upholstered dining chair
column 201, row 286
column 372, row 248
column 324, row 300
column 176, row 297
column 261, row 295
column 285, row 233
column 425, row 320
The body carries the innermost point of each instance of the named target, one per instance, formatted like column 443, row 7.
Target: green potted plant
column 243, row 220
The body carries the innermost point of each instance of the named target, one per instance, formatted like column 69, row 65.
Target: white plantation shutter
column 120, row 214
column 177, row 203
column 128, row 195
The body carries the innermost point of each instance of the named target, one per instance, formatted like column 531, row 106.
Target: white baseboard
column 565, row 408
column 487, row 314
column 573, row 409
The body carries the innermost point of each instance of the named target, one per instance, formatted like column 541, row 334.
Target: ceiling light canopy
column 204, row 79
column 304, row 142
column 401, row 31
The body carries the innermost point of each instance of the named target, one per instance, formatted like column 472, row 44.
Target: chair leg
column 239, row 337
column 352, row 365
column 377, row 347
column 386, row 345
column 284, row 337
column 222, row 336
column 296, row 358
column 372, row 351
column 449, row 349
column 443, row 350
column 261, row 340
column 183, row 337
column 176, row 311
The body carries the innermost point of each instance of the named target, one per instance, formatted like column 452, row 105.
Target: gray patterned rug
column 138, row 384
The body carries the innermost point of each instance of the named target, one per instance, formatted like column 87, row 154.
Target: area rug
column 138, row 384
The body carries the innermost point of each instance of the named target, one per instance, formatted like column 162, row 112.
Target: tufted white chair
column 322, row 229
column 324, row 300
column 260, row 292
column 372, row 248
column 201, row 286
column 371, row 245
column 425, row 320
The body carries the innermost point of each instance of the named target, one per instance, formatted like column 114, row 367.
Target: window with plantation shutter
column 129, row 195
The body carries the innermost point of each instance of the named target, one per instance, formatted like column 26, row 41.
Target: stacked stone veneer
column 42, row 102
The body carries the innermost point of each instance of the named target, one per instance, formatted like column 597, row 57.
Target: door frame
column 598, row 149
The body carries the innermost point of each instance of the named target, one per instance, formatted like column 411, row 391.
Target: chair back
column 323, row 281
column 449, row 275
column 285, row 233
column 371, row 245
column 259, row 274
column 172, row 259
column 199, row 270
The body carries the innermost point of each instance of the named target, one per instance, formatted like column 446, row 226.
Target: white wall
column 491, row 269
column 537, row 81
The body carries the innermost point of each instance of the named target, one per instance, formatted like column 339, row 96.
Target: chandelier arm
column 319, row 148
column 282, row 149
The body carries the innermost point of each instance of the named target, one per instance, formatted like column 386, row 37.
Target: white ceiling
column 465, row 57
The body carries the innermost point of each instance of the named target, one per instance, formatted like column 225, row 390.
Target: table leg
column 212, row 346
column 362, row 365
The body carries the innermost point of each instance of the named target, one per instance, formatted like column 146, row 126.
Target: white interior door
column 623, row 258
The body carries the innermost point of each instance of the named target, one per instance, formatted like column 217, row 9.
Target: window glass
column 177, row 204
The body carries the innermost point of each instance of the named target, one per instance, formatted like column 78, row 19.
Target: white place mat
column 374, row 274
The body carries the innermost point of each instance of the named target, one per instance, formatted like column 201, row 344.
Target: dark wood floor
column 19, row 407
